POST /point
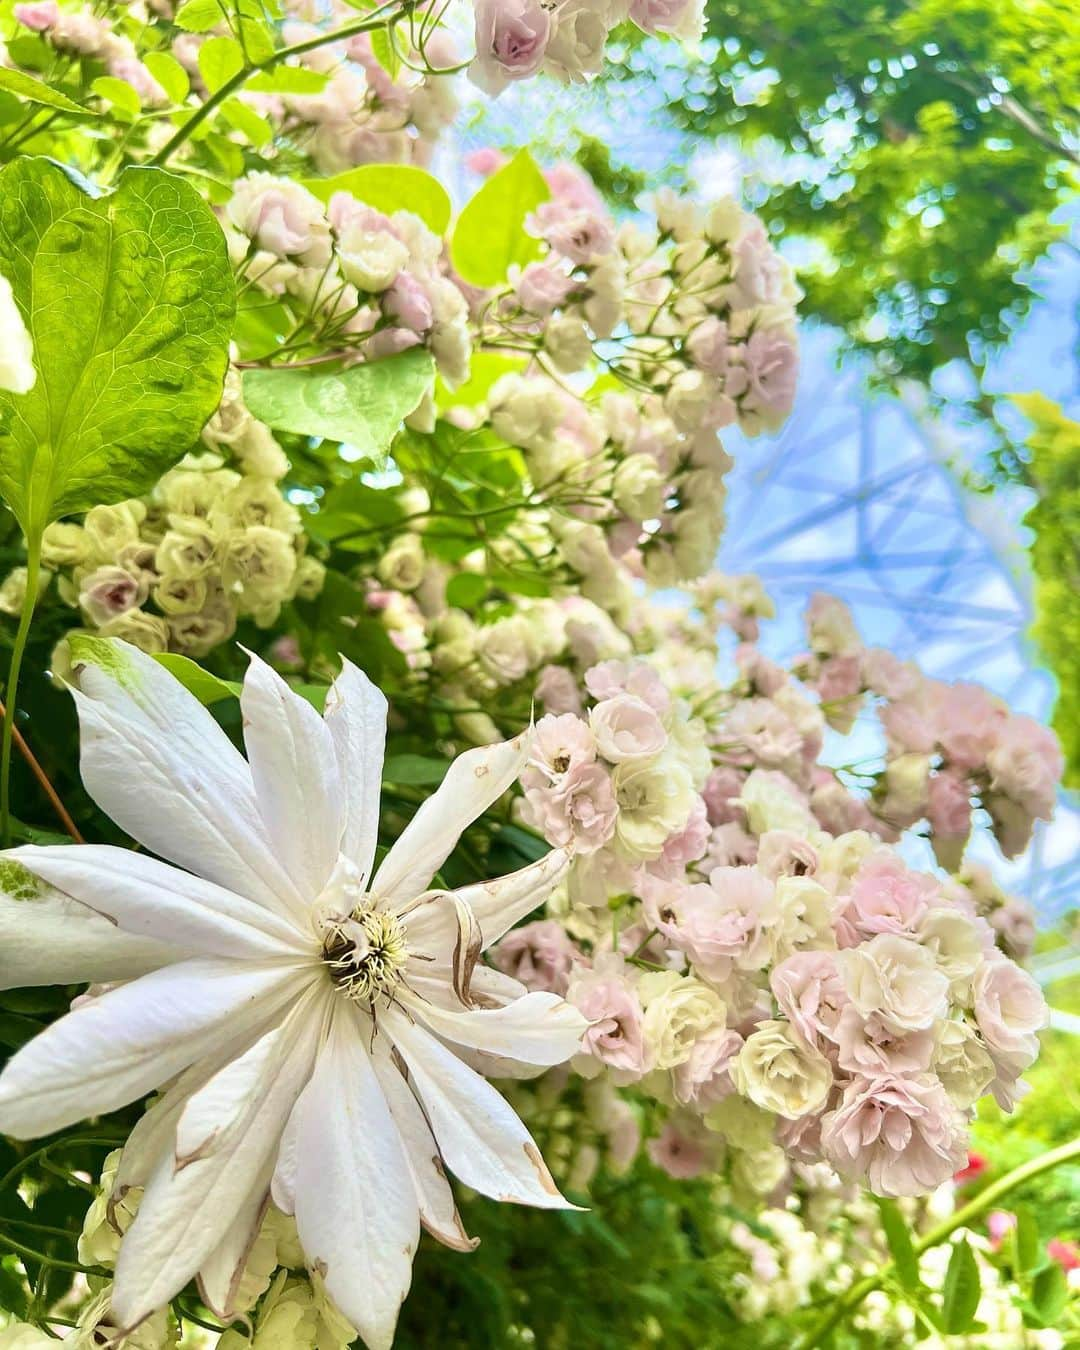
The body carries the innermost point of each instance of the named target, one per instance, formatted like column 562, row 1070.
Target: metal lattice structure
column 858, row 496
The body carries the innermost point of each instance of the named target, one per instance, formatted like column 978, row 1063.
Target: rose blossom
column 809, row 990
column 704, row 1078
column 721, row 793
column 542, row 288
column 898, row 980
column 691, row 841
column 560, row 743
column 580, row 810
column 557, row 690
column 109, row 591
column 281, row 217
column 626, row 728
column 538, row 954
column 608, row 678
column 511, row 39
column 677, row 1154
column 682, row 18
column 38, row 16
column 1009, row 1007
column 866, row 1045
column 903, row 1135
column 615, row 1035
column 582, row 235
column 781, row 1073
column 1025, row 765
column 782, row 853
column 968, row 724
column 887, row 897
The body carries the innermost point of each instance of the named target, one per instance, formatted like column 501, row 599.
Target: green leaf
column 390, row 188
column 490, row 233
column 385, row 52
column 362, row 406
column 350, row 508
column 484, row 369
column 247, row 121
column 20, row 84
column 288, row 80
column 897, row 1236
column 414, row 769
column 1050, row 1293
column 209, row 688
column 169, row 73
column 220, row 58
column 1026, row 1242
column 960, row 1296
column 199, row 16
column 206, row 687
column 129, row 300
column 119, row 93
column 465, row 590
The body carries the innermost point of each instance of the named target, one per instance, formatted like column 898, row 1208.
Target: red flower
column 976, row 1166
column 1066, row 1254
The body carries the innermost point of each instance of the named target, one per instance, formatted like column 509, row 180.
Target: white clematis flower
column 318, row 1020
column 17, row 373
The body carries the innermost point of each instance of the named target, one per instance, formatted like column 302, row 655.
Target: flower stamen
column 366, row 954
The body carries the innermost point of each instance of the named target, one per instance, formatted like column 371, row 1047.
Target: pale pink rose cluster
column 862, row 1007
column 376, row 284
column 615, row 777
column 696, row 348
column 517, row 39
column 948, row 746
column 84, row 33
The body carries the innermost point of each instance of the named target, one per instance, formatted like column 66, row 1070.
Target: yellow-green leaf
column 389, row 188
column 169, row 73
column 490, row 234
column 220, row 58
column 20, row 84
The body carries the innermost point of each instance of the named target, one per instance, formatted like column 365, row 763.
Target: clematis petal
column 474, row 780
column 356, row 1211
column 194, row 1197
column 540, row 1028
column 158, row 764
column 153, row 900
column 355, row 713
column 480, row 1138
column 499, row 904
column 444, row 940
column 120, row 1046
column 438, row 1212
column 222, row 1271
column 297, row 784
column 48, row 938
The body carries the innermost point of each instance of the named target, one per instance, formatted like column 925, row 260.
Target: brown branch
column 46, row 787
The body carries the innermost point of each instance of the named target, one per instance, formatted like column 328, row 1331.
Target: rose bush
column 300, row 453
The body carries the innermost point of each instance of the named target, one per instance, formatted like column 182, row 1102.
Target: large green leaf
column 129, row 301
column 389, row 188
column 362, row 406
column 490, row 233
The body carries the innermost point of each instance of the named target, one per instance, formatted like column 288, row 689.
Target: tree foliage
column 1054, row 472
column 924, row 146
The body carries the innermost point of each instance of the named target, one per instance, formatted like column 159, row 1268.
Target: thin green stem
column 377, row 20
column 960, row 1218
column 33, row 578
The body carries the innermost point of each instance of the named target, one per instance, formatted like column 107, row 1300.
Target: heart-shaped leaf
column 362, row 406
column 129, row 301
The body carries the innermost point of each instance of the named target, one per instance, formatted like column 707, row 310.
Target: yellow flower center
column 366, row 954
